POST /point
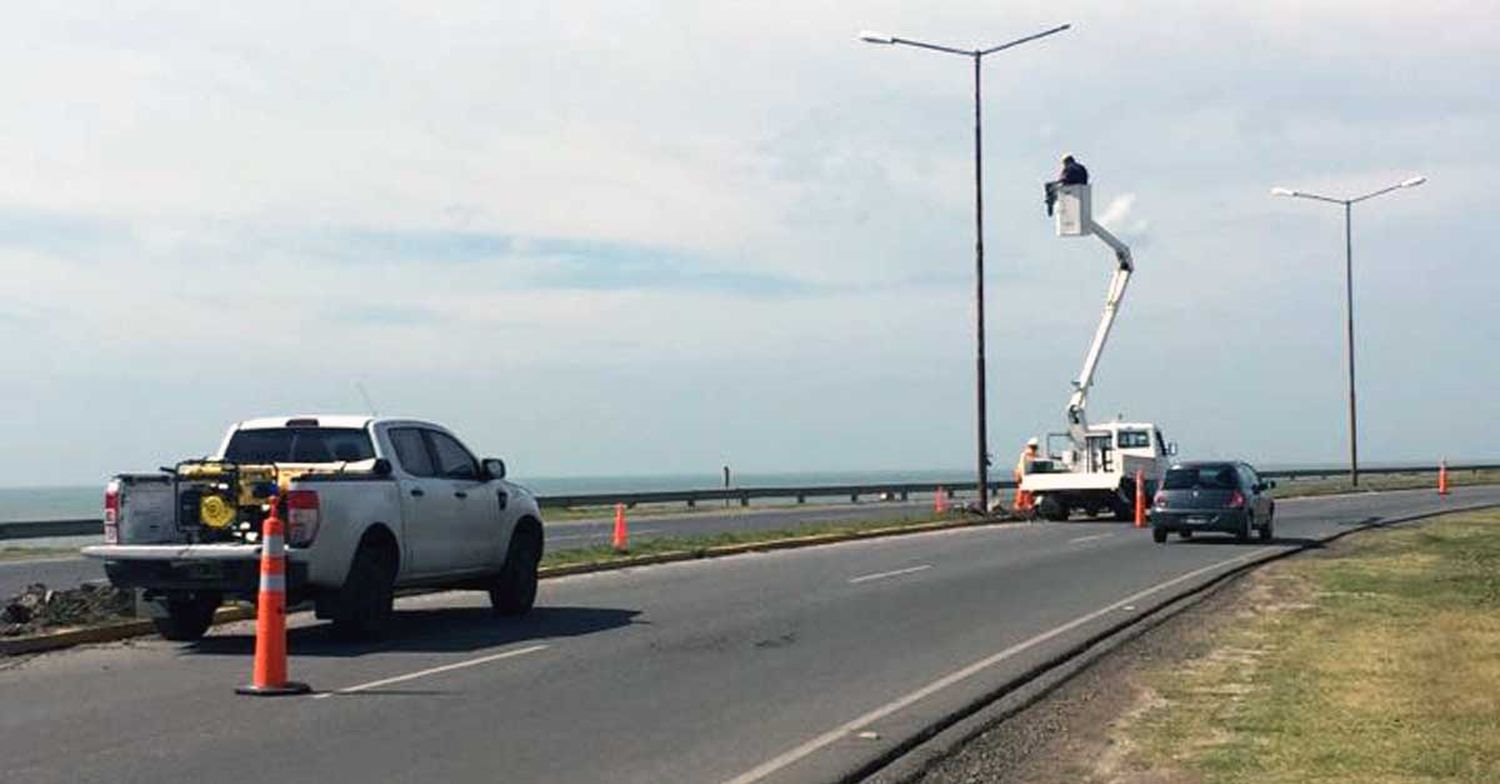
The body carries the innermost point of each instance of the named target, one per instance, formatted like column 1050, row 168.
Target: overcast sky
column 625, row 237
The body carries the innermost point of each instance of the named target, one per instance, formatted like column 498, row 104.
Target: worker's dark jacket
column 1074, row 174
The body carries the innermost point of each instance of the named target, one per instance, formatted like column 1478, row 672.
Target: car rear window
column 300, row 445
column 1214, row 477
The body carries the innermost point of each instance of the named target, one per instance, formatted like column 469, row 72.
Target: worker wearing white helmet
column 1024, row 501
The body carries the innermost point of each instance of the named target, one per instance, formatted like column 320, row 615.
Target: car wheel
column 1243, row 534
column 1159, row 535
column 514, row 589
column 364, row 605
column 1266, row 534
column 188, row 616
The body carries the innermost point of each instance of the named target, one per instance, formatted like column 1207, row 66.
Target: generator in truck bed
column 370, row 504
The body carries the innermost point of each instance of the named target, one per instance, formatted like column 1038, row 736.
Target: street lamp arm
column 934, row 47
column 1304, row 195
column 1019, row 41
column 1373, row 194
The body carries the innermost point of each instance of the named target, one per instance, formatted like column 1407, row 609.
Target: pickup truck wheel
column 514, row 589
column 362, row 609
column 188, row 616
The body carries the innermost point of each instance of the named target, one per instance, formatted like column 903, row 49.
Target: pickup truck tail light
column 112, row 512
column 302, row 517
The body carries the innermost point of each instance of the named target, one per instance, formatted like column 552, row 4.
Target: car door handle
column 504, row 499
column 460, row 494
column 417, row 491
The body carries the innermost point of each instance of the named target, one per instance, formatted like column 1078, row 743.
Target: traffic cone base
column 290, row 687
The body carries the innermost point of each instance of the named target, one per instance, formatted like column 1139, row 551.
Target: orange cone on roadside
column 1140, row 498
column 622, row 535
column 1442, row 477
column 269, row 677
column 940, row 501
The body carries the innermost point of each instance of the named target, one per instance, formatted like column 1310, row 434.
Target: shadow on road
column 438, row 630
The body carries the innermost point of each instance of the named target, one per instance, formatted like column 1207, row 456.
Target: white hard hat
column 1033, row 441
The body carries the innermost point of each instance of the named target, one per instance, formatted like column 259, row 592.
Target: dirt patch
column 38, row 609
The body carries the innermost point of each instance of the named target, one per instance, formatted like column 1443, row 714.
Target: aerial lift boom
column 1075, row 219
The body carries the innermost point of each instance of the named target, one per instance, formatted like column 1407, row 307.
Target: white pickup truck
column 371, row 505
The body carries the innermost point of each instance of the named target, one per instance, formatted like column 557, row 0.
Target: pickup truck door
column 429, row 506
column 479, row 527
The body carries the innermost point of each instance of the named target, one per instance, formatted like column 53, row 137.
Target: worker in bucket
column 1024, row 500
column 1073, row 173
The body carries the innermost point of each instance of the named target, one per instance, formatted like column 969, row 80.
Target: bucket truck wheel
column 188, row 616
column 1049, row 508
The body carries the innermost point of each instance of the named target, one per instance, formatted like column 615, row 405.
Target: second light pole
column 976, row 55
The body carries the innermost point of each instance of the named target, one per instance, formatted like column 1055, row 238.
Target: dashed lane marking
column 882, row 575
column 431, row 671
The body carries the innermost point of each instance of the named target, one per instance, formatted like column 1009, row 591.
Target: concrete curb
column 114, row 632
column 67, row 638
column 909, row 761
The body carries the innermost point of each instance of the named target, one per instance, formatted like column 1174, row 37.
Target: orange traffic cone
column 622, row 535
column 940, row 501
column 269, row 678
column 1140, row 498
column 1442, row 477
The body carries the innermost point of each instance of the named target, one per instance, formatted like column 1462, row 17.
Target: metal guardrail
column 33, row 529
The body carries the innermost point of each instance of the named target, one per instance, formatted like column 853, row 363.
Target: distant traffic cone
column 269, row 677
column 622, row 535
column 1442, row 477
column 1140, row 498
column 940, row 501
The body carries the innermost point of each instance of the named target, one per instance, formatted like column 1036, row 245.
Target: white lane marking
column 431, row 671
column 881, row 575
column 793, row 755
column 1081, row 539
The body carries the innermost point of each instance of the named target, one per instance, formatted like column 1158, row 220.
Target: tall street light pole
column 976, row 55
column 1348, row 205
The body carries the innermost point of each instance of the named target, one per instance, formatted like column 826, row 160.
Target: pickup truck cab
column 371, row 505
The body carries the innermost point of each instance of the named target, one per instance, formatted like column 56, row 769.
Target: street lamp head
column 873, row 37
column 1413, row 182
column 1283, row 192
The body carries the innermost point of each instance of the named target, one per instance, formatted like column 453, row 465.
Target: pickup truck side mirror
column 494, row 468
column 1172, row 448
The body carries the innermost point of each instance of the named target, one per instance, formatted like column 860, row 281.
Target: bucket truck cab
column 1092, row 467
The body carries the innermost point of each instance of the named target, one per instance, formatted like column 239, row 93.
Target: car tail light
column 112, row 512
column 1160, row 500
column 302, row 516
column 1236, row 501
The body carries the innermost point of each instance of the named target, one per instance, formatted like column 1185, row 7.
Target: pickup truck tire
column 188, row 616
column 514, row 589
column 363, row 606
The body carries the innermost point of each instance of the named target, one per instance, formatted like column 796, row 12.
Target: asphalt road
column 796, row 665
column 70, row 571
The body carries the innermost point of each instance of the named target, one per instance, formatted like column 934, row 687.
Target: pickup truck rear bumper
column 229, row 569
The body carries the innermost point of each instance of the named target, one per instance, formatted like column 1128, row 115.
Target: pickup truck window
column 299, row 445
column 452, row 459
column 411, row 451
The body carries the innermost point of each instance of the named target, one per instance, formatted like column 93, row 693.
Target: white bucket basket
column 1072, row 210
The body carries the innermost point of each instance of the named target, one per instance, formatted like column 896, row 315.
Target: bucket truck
column 1092, row 467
